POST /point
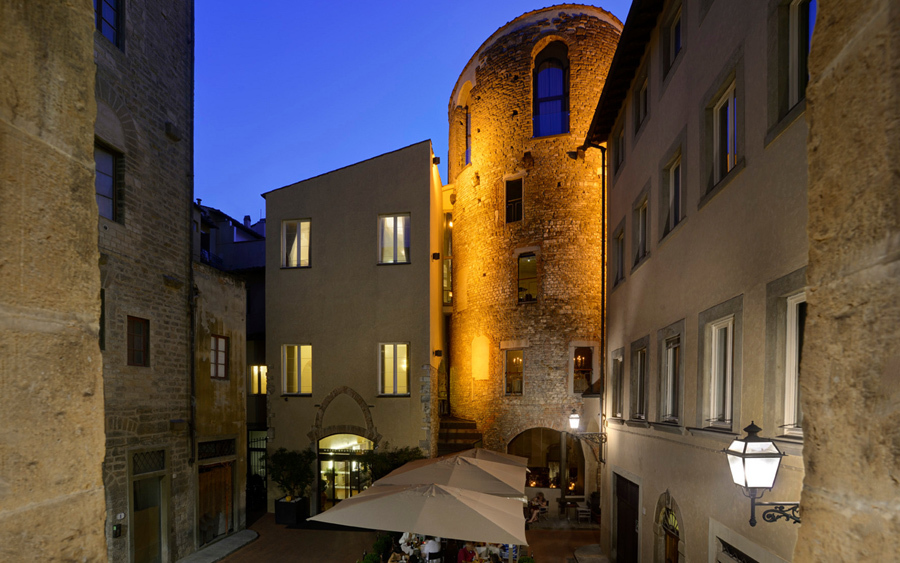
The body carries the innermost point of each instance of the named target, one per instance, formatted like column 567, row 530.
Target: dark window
column 806, row 23
column 551, row 90
column 105, row 163
column 138, row 342
column 468, row 136
column 218, row 357
column 528, row 278
column 514, row 200
column 106, row 19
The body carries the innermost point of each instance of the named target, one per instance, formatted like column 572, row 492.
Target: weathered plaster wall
column 51, row 410
column 851, row 377
column 563, row 211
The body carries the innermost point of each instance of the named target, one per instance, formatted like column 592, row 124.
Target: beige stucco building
column 354, row 326
column 704, row 118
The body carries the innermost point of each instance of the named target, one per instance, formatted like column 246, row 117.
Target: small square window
column 218, row 357
column 295, row 243
column 514, row 372
column 528, row 278
column 725, row 133
column 297, row 369
column 514, row 200
column 258, row 380
column 393, row 239
column 138, row 342
column 394, row 368
column 106, row 164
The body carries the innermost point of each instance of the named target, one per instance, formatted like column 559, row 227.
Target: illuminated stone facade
column 560, row 221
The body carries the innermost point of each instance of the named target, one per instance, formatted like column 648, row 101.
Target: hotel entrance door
column 341, row 471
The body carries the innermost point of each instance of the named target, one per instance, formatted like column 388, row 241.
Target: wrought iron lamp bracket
column 790, row 511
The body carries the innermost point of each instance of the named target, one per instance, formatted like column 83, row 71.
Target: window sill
column 637, row 423
column 720, row 185
column 393, row 263
column 567, row 134
column 219, row 379
column 296, row 267
column 670, row 427
column 791, row 444
column 617, row 421
column 393, row 396
column 532, row 302
column 513, row 394
column 721, row 434
column 785, row 122
column 286, row 395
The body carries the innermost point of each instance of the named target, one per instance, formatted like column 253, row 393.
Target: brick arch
column 369, row 432
column 105, row 93
column 514, row 431
column 547, row 38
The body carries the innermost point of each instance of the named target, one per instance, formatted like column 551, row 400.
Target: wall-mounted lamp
column 574, row 420
column 596, row 438
column 754, row 463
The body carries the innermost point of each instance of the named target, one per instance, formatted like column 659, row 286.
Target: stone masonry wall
column 51, row 407
column 851, row 375
column 563, row 212
column 144, row 90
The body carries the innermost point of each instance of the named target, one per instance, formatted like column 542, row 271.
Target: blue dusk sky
column 289, row 89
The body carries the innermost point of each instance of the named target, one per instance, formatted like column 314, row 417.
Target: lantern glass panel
column 761, row 448
column 736, row 446
column 737, row 470
column 761, row 471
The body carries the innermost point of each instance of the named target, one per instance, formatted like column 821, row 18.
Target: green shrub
column 292, row 470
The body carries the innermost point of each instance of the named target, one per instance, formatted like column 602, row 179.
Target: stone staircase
column 456, row 435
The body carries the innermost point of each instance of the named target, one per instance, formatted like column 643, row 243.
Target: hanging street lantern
column 574, row 420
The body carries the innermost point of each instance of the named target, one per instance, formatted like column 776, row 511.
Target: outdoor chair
column 583, row 511
column 436, row 557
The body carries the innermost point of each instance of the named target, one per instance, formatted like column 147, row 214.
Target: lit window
column 528, row 278
column 393, row 239
column 295, row 243
column 514, row 370
column 297, row 369
column 802, row 23
column 671, row 379
column 639, row 384
column 725, row 133
column 105, row 163
column 796, row 322
column 106, row 19
column 394, row 369
column 583, row 372
column 138, row 342
column 551, row 96
column 218, row 357
column 720, row 336
column 258, row 380
column 514, row 200
column 617, row 386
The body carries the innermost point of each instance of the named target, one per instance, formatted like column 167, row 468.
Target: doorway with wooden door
column 627, row 504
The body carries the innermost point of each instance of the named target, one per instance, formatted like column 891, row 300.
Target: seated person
column 433, row 545
column 537, row 503
column 466, row 553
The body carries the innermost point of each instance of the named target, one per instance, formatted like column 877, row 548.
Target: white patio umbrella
column 433, row 510
column 490, row 455
column 464, row 472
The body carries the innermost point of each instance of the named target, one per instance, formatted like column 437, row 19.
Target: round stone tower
column 528, row 222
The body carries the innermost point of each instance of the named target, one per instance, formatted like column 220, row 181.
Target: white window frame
column 675, row 177
column 617, row 391
column 302, row 368
column 791, row 365
column 639, row 403
column 296, row 255
column 218, row 349
column 727, row 100
column 721, row 383
column 395, row 369
column 506, row 354
column 670, row 399
column 401, row 239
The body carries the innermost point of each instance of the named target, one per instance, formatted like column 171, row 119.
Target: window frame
column 617, row 384
column 619, row 253
column 641, row 101
column 520, row 298
column 723, row 418
column 675, row 185
column 640, row 374
column 382, row 391
column 407, row 239
column 468, row 153
column 259, row 379
column 671, row 374
column 115, row 179
column 303, row 388
column 640, row 226
column 792, row 358
column 594, row 348
column 725, row 160
column 299, row 248
column 554, row 52
column 217, row 369
column 515, row 204
column 132, row 322
column 100, row 18
column 799, row 43
column 506, row 372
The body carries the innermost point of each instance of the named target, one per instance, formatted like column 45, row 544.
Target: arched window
column 551, row 90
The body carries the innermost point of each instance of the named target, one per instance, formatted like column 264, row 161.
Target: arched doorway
column 341, row 473
column 669, row 543
column 555, row 462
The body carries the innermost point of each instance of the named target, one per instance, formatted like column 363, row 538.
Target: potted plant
column 293, row 472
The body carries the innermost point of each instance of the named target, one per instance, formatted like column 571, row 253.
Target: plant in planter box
column 293, row 472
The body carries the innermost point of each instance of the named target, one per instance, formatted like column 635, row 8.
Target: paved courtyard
column 552, row 543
